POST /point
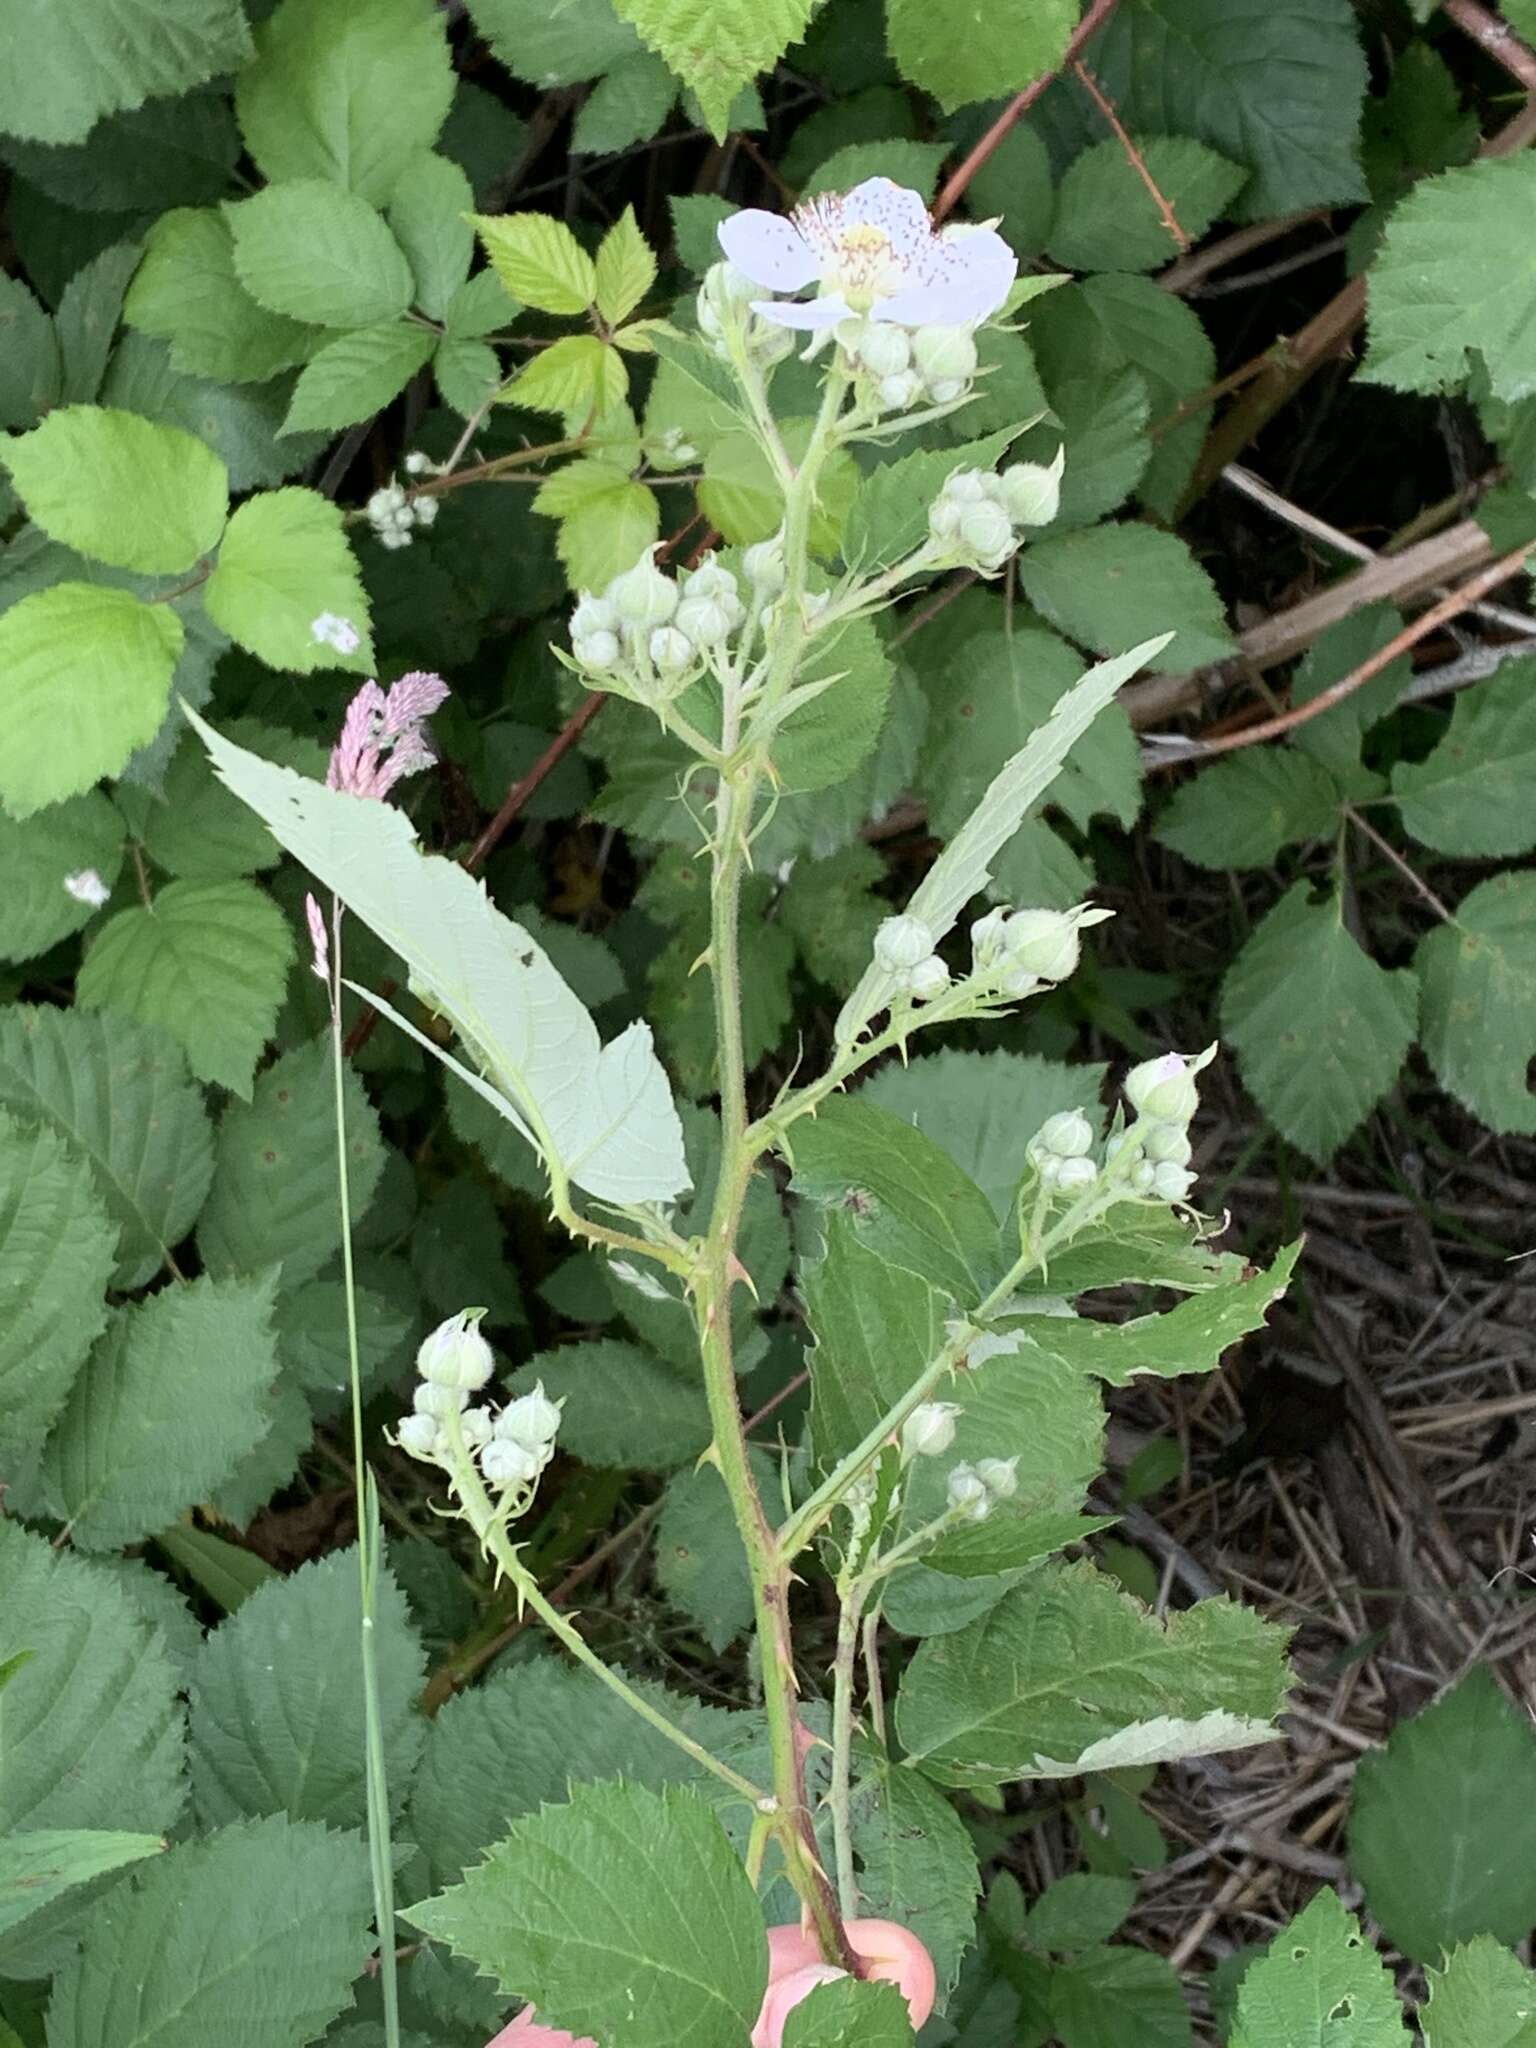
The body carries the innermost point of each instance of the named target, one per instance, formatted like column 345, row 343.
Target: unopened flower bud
column 1068, row 1134
column 532, row 1420
column 1000, row 1476
column 509, row 1464
column 968, row 1494
column 927, row 981
column 418, row 1435
column 987, row 937
column 1167, row 1145
column 884, row 349
column 1044, row 941
column 943, row 389
column 1171, row 1183
column 705, row 620
column 417, row 462
column 1032, row 492
column 1164, row 1088
column 475, row 1424
column 385, row 504
column 897, row 392
column 1074, row 1175
column 944, row 355
column 642, row 595
column 763, row 566
column 900, row 943
column 722, row 297
column 1048, row 1166
column 1142, row 1174
column 986, row 533
column 929, row 1430
column 456, row 1355
column 425, row 511
column 598, row 651
column 966, row 487
column 593, row 615
column 1016, row 981
column 711, row 579
column 671, row 651
column 944, row 517
column 438, row 1402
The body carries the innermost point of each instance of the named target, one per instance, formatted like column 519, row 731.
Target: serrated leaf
column 206, row 963
column 345, row 93
column 539, row 261
column 82, row 835
column 357, row 375
column 57, row 1251
column 830, row 910
column 1102, row 423
column 580, row 39
column 1106, row 219
column 167, row 1404
column 121, row 489
column 277, row 1699
column 466, row 373
column 30, row 369
column 87, row 678
column 1079, row 1910
column 480, row 306
column 1334, row 736
column 1484, row 1997
column 273, row 1201
column 876, row 1327
column 844, row 2013
column 744, row 498
column 629, row 103
column 825, row 740
column 1109, row 1995
column 1106, row 585
column 701, row 1566
column 916, row 1862
column 1472, row 794
column 165, row 153
column 624, row 1407
column 623, row 1910
column 1067, row 1674
column 62, row 70
column 625, row 269
column 578, row 376
column 242, row 423
column 1240, row 812
column 607, row 532
column 194, row 828
column 313, row 252
column 605, row 1112
column 717, row 46
column 429, row 216
column 889, row 517
column 1442, row 1829
column 252, row 1937
column 978, row 51
column 185, row 291
column 44, row 1863
column 905, row 162
column 284, row 562
column 1318, row 1976
column 118, row 1093
column 696, row 217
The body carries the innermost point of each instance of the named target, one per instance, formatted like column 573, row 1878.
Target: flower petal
column 896, row 208
column 768, row 249
column 810, row 316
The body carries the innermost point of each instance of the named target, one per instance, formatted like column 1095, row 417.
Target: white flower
column 87, row 887
column 900, row 943
column 929, row 1430
column 456, row 1355
column 874, row 251
column 330, row 629
column 425, row 510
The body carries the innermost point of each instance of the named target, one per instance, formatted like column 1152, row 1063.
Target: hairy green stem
column 840, row 1796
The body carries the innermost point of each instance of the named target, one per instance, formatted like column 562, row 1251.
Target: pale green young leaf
column 1477, row 981
column 916, row 1861
column 313, row 252
column 93, row 1729
column 251, row 1937
column 277, row 1699
column 466, row 374
column 1105, row 585
column 844, row 2013
column 273, row 1199
column 889, row 517
column 429, row 214
column 29, row 356
column 151, row 1426
column 1240, row 812
column 1107, row 219
column 121, row 489
column 539, row 261
column 1319, row 1028
column 57, row 1250
column 625, row 269
column 206, row 963
column 63, row 68
column 607, row 532
column 88, row 679
column 44, row 1863
column 357, row 375
column 1484, row 1997
column 624, row 1407
column 1102, row 423
column 563, row 45
column 1442, row 1828
column 876, row 1327
column 979, row 50
column 346, row 94
column 1472, row 795
column 194, row 828
column 118, row 1093
column 186, row 292
column 965, row 866
column 1319, row 1984
column 284, row 562
column 629, row 103
column 717, row 46
column 1067, row 1674
column 701, row 1566
column 604, row 1112
column 81, row 835
column 577, row 377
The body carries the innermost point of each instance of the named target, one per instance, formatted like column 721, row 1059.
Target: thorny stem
column 840, row 1797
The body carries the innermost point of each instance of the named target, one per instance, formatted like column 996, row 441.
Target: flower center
column 863, row 266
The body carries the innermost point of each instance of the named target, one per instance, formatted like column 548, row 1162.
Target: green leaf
column 194, row 828
column 206, row 963
column 277, row 1699
column 1239, row 813
column 889, row 517
column 701, row 1566
column 63, row 68
column 357, row 375
column 185, row 291
column 547, row 46
column 1275, row 87
column 29, row 356
column 624, row 1407
column 979, row 50
column 241, row 423
column 876, row 1327
column 57, row 1250
column 913, row 164
column 251, row 1937
column 1107, row 1996
column 1105, row 586
column 118, row 1093
column 717, row 46
column 480, row 306
column 1443, row 295
column 227, row 1573
column 81, row 835
column 605, row 1112
column 1472, row 794
column 1079, row 1911
column 1102, row 422
column 1106, row 219
column 627, row 105
column 1319, row 1985
column 539, row 261
column 1442, row 1829
column 826, row 739
column 1477, row 981
column 162, row 154
column 42, row 1865
column 745, row 500
column 1483, row 1998
column 273, row 1201
column 466, row 373
column 847, row 2014
column 284, row 562
column 312, row 252
column 577, row 376
column 1319, row 1028
column 625, row 269
column 624, row 1912
column 346, row 94
column 93, row 1728
column 830, row 910
column 1334, row 736
column 696, row 219
column 606, row 520
column 148, row 1429
column 1067, row 1674
column 121, row 489
column 88, row 678
column 916, row 1862
column 429, row 216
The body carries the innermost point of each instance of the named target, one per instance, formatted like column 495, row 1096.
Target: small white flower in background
column 419, row 463
column 900, row 943
column 330, row 629
column 425, row 511
column 87, row 887
column 456, row 1355
column 968, row 1495
column 929, row 1430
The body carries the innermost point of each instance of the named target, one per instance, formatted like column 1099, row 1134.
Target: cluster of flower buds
column 1015, row 952
column 394, row 514
column 898, row 368
column 979, row 517
column 1164, row 1096
column 724, row 307
column 511, row 1445
column 1061, row 1152
column 653, row 634
column 904, row 950
column 975, row 1490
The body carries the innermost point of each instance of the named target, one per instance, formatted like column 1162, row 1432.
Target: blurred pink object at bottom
column 528, row 2031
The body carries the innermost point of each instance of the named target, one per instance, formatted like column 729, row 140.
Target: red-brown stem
column 1496, row 37
column 1134, row 157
